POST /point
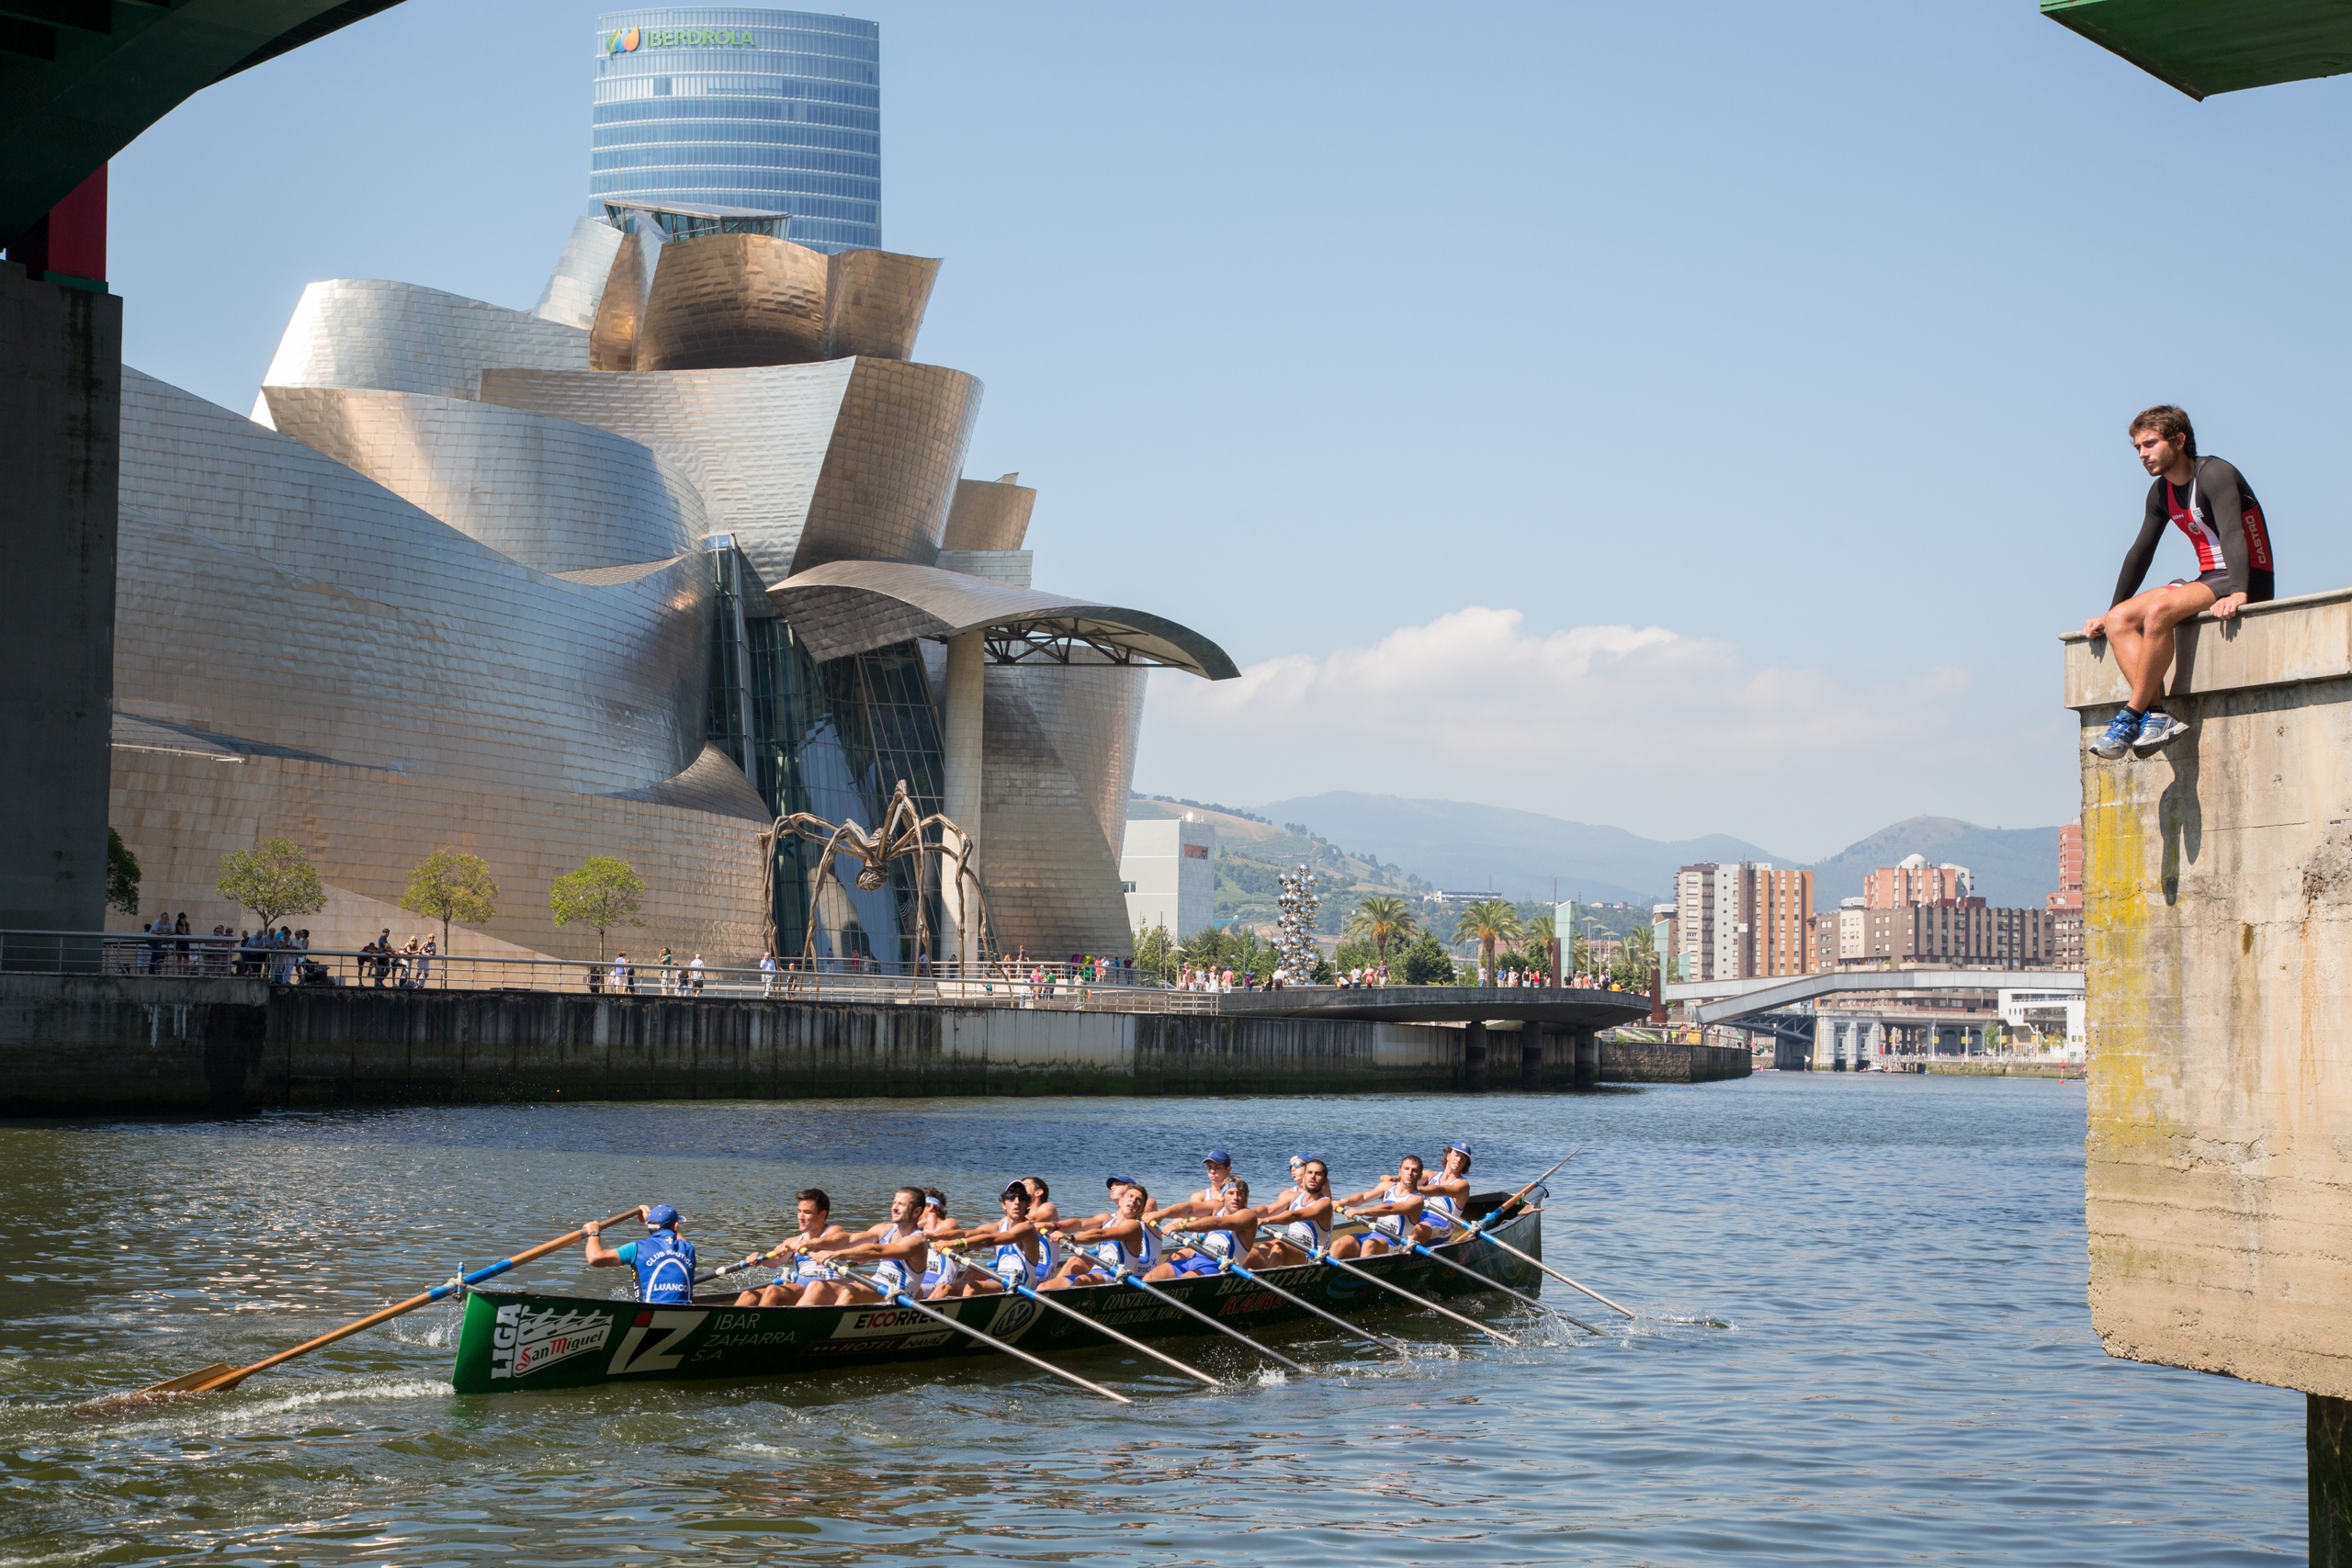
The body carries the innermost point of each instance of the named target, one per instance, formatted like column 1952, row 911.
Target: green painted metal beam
column 80, row 79
column 2203, row 47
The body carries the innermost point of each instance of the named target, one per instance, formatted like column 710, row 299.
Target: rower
column 1017, row 1252
column 1122, row 1242
column 946, row 1268
column 1444, row 1195
column 1394, row 1205
column 897, row 1245
column 1219, row 1166
column 1290, row 1194
column 1207, row 1249
column 1041, row 1202
column 802, row 1271
column 665, row 1263
column 1295, row 1230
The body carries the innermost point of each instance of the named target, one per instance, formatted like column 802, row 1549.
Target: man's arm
column 2142, row 553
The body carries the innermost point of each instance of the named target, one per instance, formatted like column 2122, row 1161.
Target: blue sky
column 1695, row 418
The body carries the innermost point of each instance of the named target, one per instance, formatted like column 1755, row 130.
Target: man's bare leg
column 2142, row 629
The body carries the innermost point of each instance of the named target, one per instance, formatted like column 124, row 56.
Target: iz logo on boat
column 659, row 1356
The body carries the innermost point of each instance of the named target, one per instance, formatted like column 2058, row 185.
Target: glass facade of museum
column 726, row 106
column 831, row 737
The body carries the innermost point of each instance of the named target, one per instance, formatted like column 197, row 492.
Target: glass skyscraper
column 731, row 107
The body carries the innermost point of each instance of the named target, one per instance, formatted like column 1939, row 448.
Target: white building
column 1169, row 868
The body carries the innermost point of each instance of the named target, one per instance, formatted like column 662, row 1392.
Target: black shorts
column 2261, row 587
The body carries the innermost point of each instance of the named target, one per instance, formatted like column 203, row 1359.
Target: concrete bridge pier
column 1474, row 1057
column 1586, row 1072
column 1534, row 1040
column 2217, row 933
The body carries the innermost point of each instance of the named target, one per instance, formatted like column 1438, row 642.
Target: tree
column 450, row 885
column 122, row 875
column 1382, row 919
column 1636, row 960
column 1490, row 922
column 604, row 892
column 1424, row 962
column 273, row 879
column 1155, row 953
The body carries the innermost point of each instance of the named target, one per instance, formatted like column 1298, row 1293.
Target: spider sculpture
column 906, row 834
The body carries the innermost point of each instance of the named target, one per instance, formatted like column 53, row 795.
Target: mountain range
column 1461, row 846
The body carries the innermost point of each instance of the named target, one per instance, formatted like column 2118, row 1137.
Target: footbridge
column 1840, row 1020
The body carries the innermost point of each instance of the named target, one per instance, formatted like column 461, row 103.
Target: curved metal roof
column 850, row 607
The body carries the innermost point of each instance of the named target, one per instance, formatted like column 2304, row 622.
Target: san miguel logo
column 630, row 40
column 525, row 1341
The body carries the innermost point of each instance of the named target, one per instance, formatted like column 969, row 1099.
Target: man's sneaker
column 2158, row 729
column 2122, row 731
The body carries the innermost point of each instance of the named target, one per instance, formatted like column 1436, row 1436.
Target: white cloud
column 1643, row 727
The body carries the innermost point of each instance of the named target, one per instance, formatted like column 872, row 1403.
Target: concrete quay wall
column 98, row 1044
column 2218, row 936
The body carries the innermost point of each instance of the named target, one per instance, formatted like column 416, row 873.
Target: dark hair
column 1043, row 1193
column 2168, row 422
column 1240, row 1191
column 938, row 1199
column 1417, row 1161
column 916, row 1192
column 814, row 1195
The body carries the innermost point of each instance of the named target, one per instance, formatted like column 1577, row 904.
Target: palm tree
column 1382, row 919
column 1491, row 922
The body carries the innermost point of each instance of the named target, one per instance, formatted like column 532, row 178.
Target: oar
column 1044, row 1300
column 1526, row 1257
column 1123, row 1273
column 220, row 1376
column 1492, row 1285
column 1230, row 1266
column 1346, row 1267
column 908, row 1302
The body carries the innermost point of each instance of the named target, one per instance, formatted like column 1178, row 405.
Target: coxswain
column 896, row 1247
column 664, row 1261
column 800, row 1272
column 1208, row 1247
column 1294, row 1231
column 1122, row 1243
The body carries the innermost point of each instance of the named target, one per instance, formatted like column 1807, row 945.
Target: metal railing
column 1061, row 986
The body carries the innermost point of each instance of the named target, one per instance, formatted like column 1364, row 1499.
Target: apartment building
column 2066, row 904
column 1914, row 881
column 1735, row 921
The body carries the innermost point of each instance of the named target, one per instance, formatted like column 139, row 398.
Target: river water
column 1910, row 1374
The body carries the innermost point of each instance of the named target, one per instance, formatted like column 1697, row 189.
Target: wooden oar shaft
column 232, row 1379
column 993, row 1343
column 1346, row 1267
column 1044, row 1300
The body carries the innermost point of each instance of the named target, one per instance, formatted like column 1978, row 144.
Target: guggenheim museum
column 684, row 548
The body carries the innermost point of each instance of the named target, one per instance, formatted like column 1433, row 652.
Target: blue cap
column 1300, row 1159
column 1462, row 1149
column 661, row 1217
column 1217, row 1157
column 1121, row 1181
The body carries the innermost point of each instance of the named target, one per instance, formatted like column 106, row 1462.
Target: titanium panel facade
column 577, row 284
column 728, row 105
column 1052, row 879
column 989, row 515
column 547, row 493
column 725, row 300
column 875, row 302
column 398, row 337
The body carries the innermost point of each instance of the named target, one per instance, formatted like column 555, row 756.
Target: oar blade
column 201, row 1381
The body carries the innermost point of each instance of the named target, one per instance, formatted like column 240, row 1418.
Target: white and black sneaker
column 2157, row 730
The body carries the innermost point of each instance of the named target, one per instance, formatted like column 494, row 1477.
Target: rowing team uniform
column 1118, row 1255
column 1210, row 1249
column 1013, row 1267
column 805, row 1270
column 891, row 1275
column 1441, row 1212
column 1304, row 1235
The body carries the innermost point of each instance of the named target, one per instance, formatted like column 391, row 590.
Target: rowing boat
column 529, row 1339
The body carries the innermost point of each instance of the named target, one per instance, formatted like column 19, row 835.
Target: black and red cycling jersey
column 2223, row 522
